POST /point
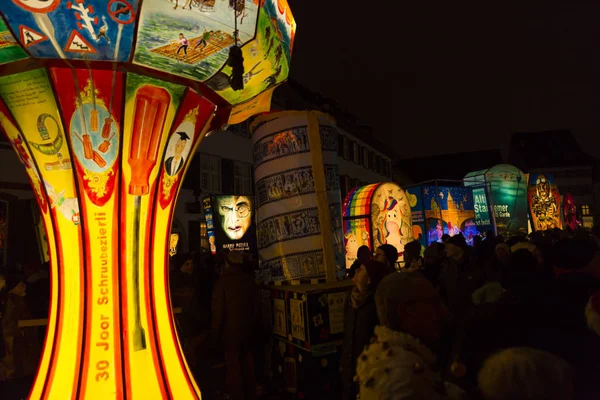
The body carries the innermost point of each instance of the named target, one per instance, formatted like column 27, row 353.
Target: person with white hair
column 523, row 373
column 399, row 363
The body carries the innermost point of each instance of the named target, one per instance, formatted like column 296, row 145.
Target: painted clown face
column 236, row 215
column 543, row 187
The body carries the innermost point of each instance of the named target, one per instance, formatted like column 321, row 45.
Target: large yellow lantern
column 105, row 102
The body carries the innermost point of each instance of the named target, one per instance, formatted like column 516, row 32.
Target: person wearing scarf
column 360, row 320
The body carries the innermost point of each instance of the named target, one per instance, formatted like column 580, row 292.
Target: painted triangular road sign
column 77, row 44
column 29, row 36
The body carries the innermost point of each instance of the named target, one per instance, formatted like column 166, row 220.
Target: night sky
column 466, row 77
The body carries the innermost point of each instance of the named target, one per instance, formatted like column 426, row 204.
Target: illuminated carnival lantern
column 503, row 189
column 298, row 197
column 569, row 212
column 544, row 199
column 105, row 102
column 374, row 215
column 442, row 208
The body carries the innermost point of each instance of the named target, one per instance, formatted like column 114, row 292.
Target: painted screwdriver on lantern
column 151, row 104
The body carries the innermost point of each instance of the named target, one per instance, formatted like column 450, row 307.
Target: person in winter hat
column 527, row 374
column 399, row 363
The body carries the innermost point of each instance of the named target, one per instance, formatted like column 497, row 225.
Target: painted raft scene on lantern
column 188, row 38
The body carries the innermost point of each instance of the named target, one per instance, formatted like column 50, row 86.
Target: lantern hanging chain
column 235, row 27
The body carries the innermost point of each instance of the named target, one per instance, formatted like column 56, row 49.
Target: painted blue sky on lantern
column 96, row 30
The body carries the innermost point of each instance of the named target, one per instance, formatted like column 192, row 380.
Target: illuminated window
column 210, row 173
column 585, row 209
column 204, row 236
column 242, row 178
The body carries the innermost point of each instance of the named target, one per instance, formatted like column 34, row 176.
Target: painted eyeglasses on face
column 242, row 210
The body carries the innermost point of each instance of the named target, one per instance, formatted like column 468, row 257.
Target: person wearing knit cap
column 525, row 373
column 360, row 319
column 399, row 363
column 502, row 252
column 532, row 248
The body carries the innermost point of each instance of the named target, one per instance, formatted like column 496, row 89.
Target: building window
column 355, row 153
column 210, row 173
column 585, row 209
column 346, row 148
column 242, row 178
column 375, row 162
column 204, row 236
column 366, row 157
column 348, row 183
column 382, row 163
column 343, row 188
column 341, row 145
column 241, row 129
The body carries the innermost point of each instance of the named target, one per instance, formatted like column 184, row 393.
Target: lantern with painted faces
column 544, row 202
column 374, row 215
column 232, row 223
column 105, row 102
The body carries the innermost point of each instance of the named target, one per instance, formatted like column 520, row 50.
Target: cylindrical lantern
column 297, row 195
column 374, row 215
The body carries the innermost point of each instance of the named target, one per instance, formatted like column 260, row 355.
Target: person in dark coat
column 432, row 263
column 412, row 256
column 524, row 316
column 388, row 255
column 363, row 255
column 458, row 279
column 22, row 349
column 236, row 325
column 360, row 320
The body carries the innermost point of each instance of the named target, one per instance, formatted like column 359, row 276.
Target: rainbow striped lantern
column 105, row 103
column 374, row 215
column 299, row 221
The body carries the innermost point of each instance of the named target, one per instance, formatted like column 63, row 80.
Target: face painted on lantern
column 236, row 215
column 179, row 147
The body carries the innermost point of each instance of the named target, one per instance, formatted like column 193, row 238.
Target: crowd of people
column 509, row 318
column 515, row 318
column 218, row 318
